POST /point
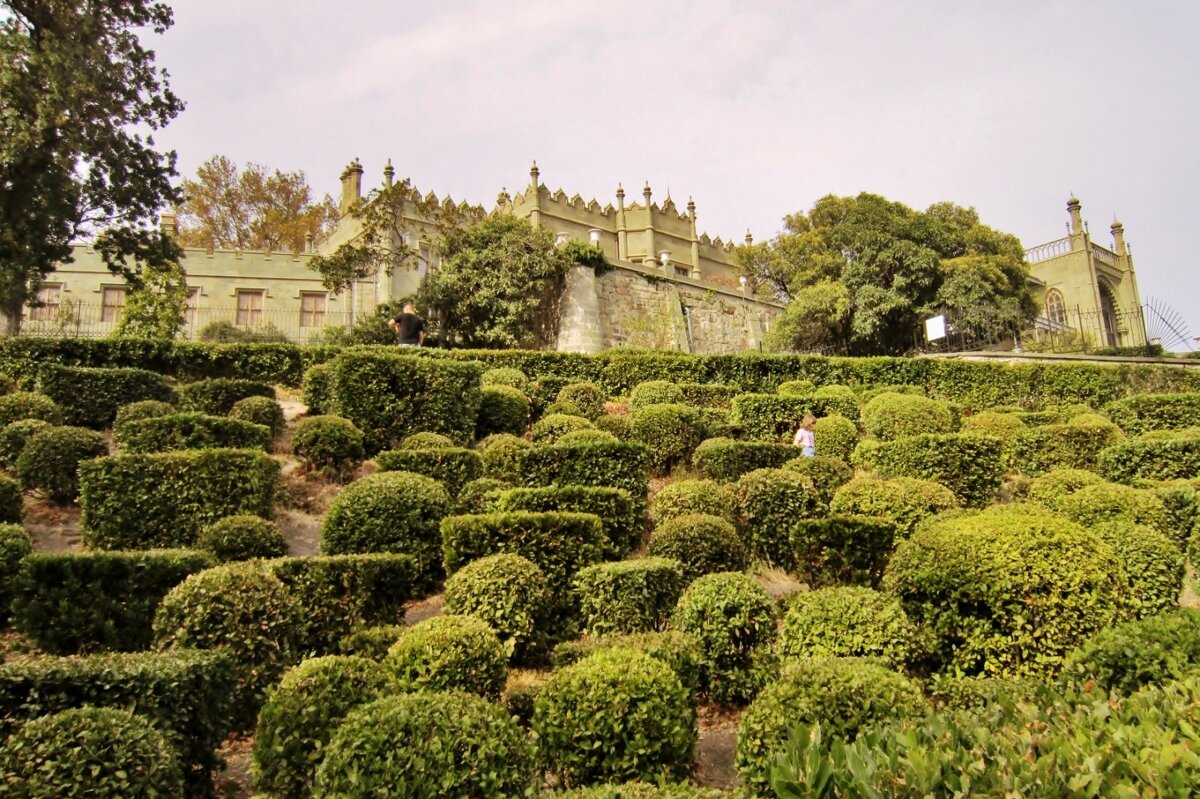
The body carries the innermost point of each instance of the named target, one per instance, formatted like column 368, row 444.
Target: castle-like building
column 671, row 286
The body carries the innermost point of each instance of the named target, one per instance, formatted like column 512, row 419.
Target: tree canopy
column 860, row 273
column 79, row 98
column 255, row 208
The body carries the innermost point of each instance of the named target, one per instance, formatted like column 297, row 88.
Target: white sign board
column 935, row 328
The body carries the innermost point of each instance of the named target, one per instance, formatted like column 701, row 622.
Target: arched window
column 1056, row 309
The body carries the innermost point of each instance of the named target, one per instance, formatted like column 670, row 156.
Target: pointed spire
column 502, row 198
column 749, row 237
column 534, row 172
column 389, row 174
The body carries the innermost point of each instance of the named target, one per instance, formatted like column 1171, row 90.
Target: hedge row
column 90, row 397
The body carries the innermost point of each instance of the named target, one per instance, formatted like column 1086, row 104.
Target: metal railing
column 1077, row 331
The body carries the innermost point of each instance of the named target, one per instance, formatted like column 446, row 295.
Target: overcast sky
column 755, row 109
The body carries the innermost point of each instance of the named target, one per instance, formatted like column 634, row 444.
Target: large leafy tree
column 79, row 98
column 860, row 273
column 254, row 208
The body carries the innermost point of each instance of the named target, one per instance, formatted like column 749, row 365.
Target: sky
column 754, row 108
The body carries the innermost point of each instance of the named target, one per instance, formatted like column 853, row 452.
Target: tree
column 860, row 273
column 155, row 308
column 499, row 284
column 251, row 209
column 79, row 97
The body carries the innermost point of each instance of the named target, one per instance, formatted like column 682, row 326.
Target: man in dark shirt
column 409, row 327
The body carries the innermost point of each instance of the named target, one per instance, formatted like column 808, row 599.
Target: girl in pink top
column 805, row 438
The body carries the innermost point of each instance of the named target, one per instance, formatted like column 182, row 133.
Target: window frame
column 313, row 317
column 111, row 312
column 253, row 316
column 47, row 311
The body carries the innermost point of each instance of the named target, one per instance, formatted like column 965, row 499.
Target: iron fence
column 1076, row 331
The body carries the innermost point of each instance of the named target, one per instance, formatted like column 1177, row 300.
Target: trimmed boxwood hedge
column 588, row 397
column 1153, row 562
column 87, row 601
column 1130, row 656
column 1055, row 485
column 260, row 410
column 29, row 405
column 506, row 376
column 628, row 596
column 185, row 694
column 14, row 436
column 670, row 432
column 969, row 464
column 1172, row 458
column 1144, row 412
column 1040, row 449
column 144, row 409
column 623, row 528
column 623, row 465
column 15, row 546
column 11, row 501
column 503, row 456
column 553, row 426
column 1104, row 502
column 444, row 653
column 826, row 473
column 655, row 392
column 842, row 550
column 191, row 431
column 51, row 458
column 217, row 396
column 836, row 436
column 508, row 593
column 641, row 790
column 166, row 498
column 770, row 502
column 678, row 651
column 502, row 409
column 726, row 460
column 770, row 417
column 315, row 388
column 700, row 544
column 453, row 467
column 681, row 497
column 848, row 621
column 242, row 537
column 330, row 444
column 90, row 397
column 904, row 501
column 891, row 416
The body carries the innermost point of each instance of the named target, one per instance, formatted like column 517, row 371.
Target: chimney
column 167, row 225
column 351, row 186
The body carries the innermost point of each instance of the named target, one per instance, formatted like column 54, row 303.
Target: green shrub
column 1005, row 426
column 835, row 400
column 842, row 550
column 845, row 696
column 848, row 621
column 543, row 391
column 655, row 392
column 502, row 410
column 317, row 388
column 14, row 436
column 167, row 498
column 328, row 443
column 904, row 501
column 28, row 405
column 796, row 388
column 260, row 410
column 1007, row 593
column 475, row 496
column 629, row 596
column 97, row 752
column 11, row 502
column 453, row 467
column 770, row 417
column 90, row 397
column 683, row 497
column 86, row 601
column 586, row 436
column 506, row 591
column 389, row 395
column 681, row 653
column 1040, row 449
column 1152, row 561
column 616, row 715
column 589, row 398
column 242, row 537
column 1181, row 499
column 670, row 432
column 549, row 428
column 302, row 714
column 455, row 744
column 505, row 376
column 143, row 409
column 826, row 473
column 1150, row 459
column 770, row 503
column 641, row 790
column 715, row 396
column 1054, row 486
column 503, row 456
column 15, row 546
column 388, row 512
column 836, row 436
column 1133, row 655
column 955, row 692
column 726, row 460
column 449, row 653
column 1095, row 504
column 624, row 465
column 185, row 695
column 623, row 528
column 561, row 408
column 701, row 544
column 50, row 461
column 733, row 620
column 970, row 465
column 191, row 431
column 216, row 396
column 619, row 426
column 520, row 693
column 242, row 609
column 372, row 642
column 1144, row 412
column 891, row 416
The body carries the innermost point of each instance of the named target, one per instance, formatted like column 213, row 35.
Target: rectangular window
column 189, row 307
column 681, row 271
column 112, row 302
column 312, row 309
column 50, row 296
column 249, row 308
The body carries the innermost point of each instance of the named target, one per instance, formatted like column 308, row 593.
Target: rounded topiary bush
column 297, row 722
column 506, row 591
column 616, row 715
column 702, row 544
column 50, row 460
column 216, row 395
column 503, row 409
column 316, row 387
column 372, row 642
column 449, row 653
column 683, row 497
column 1135, row 654
column 142, row 409
column 548, row 429
column 260, row 410
column 502, row 455
column 1007, row 593
column 1105, row 502
column 655, row 392
column 243, row 609
column 475, row 496
column 733, row 620
column 628, row 596
column 1055, row 485
column 388, row 512
column 10, row 501
column 679, row 651
column 330, row 444
column 620, row 426
column 903, row 501
column 1153, row 562
column 844, row 695
column 14, row 436
column 576, row 436
column 891, row 416
column 796, row 388
column 1004, row 426
column 969, row 464
column 93, row 752
column 1039, row 449
column 670, row 432
column 589, row 398
column 15, row 545
column 826, row 472
column 506, row 376
column 642, row 790
column 427, row 744
column 242, row 537
column 848, row 621
column 426, row 440
column 836, row 436
column 28, row 405
column 770, row 503
column 842, row 550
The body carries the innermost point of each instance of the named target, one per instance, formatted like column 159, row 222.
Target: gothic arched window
column 1056, row 309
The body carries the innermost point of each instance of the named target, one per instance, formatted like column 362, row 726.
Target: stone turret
column 1119, row 246
column 646, row 194
column 351, row 186
column 622, row 230
column 389, row 174
column 691, row 209
column 535, row 215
